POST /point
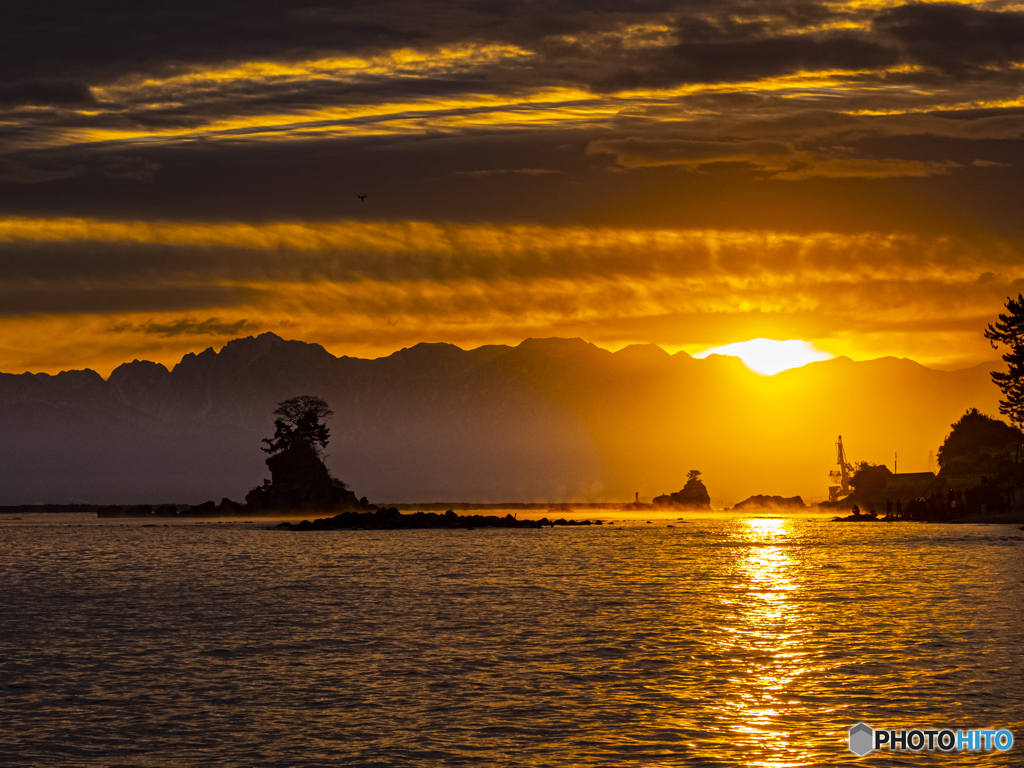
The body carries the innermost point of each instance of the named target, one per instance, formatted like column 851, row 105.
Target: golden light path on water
column 771, row 635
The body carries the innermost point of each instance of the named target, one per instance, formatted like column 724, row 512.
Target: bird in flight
column 362, row 198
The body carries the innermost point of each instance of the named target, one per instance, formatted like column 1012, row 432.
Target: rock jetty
column 226, row 508
column 390, row 519
column 859, row 517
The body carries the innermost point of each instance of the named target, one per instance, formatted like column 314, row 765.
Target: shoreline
column 626, row 511
column 535, row 511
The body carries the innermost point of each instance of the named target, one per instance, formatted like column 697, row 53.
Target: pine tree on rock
column 299, row 478
column 300, row 422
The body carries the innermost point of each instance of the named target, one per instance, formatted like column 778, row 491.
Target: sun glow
column 769, row 356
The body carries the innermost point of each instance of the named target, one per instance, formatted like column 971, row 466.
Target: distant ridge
column 548, row 420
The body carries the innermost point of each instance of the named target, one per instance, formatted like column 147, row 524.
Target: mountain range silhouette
column 547, row 420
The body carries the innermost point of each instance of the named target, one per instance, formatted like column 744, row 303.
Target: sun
column 769, row 356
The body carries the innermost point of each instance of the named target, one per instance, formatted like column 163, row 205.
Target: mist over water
column 722, row 641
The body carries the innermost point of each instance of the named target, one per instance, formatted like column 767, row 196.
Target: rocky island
column 693, row 495
column 759, row 501
column 299, row 480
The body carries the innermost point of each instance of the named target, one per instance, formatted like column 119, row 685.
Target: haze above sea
column 724, row 640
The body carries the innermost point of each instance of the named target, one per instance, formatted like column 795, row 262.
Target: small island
column 693, row 496
column 761, row 502
column 299, row 480
column 300, row 484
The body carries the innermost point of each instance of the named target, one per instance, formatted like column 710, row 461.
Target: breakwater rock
column 860, row 517
column 759, row 502
column 391, row 519
column 226, row 508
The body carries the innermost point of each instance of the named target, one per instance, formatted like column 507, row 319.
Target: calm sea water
column 732, row 641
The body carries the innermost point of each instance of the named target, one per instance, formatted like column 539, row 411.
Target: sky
column 178, row 174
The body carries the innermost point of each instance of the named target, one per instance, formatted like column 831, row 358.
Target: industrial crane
column 841, row 475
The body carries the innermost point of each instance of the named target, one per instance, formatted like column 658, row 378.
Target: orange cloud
column 865, row 168
column 780, row 158
column 646, row 153
column 371, row 287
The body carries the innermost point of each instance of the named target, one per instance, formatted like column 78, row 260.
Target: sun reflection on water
column 765, row 643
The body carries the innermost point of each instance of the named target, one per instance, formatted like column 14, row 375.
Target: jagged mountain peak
column 650, row 354
column 77, row 379
column 558, row 347
column 246, row 354
column 137, row 369
column 427, row 350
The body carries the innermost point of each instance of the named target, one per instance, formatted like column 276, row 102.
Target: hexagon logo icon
column 862, row 739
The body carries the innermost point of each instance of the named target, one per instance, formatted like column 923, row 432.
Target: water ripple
column 742, row 641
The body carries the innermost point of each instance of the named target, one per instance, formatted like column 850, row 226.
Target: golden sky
column 688, row 174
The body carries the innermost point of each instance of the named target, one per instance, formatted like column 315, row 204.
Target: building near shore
column 912, row 485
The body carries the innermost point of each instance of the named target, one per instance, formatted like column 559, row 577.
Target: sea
column 730, row 640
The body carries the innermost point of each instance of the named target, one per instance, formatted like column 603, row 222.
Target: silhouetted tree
column 693, row 474
column 977, row 439
column 300, row 422
column 1009, row 331
column 870, row 479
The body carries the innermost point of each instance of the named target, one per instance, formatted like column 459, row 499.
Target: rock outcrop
column 761, row 502
column 859, row 517
column 693, row 496
column 299, row 481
